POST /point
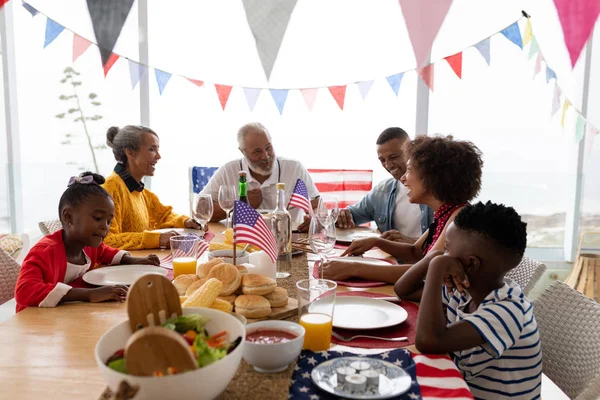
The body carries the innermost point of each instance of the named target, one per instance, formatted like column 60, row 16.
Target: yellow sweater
column 136, row 213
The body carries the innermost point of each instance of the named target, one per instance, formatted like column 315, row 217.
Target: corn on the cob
column 222, row 305
column 205, row 295
column 182, row 299
column 229, row 240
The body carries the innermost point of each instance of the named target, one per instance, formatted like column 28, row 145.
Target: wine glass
column 328, row 210
column 321, row 238
column 202, row 208
column 227, row 195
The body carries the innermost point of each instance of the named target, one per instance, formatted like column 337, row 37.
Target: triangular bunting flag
column 579, row 128
column 136, row 71
column 394, row 81
column 423, row 19
column 108, row 18
column 310, row 95
column 534, row 48
column 484, row 49
column 566, row 105
column 268, row 21
column 590, row 133
column 364, row 88
column 80, row 45
column 196, row 82
column 279, row 96
column 339, row 94
column 162, row 78
column 513, row 33
column 555, row 100
column 29, row 8
column 427, row 75
column 53, row 29
column 223, row 91
column 251, row 95
column 538, row 65
column 111, row 61
column 528, row 34
column 455, row 62
column 577, row 18
column 550, row 74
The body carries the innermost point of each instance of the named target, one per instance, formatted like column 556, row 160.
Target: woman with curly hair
column 442, row 173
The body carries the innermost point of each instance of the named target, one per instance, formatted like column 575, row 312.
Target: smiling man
column 263, row 170
column 387, row 204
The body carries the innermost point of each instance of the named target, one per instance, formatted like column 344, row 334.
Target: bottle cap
column 242, row 173
column 280, row 186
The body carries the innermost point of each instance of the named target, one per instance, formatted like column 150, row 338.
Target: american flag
column 200, row 246
column 250, row 227
column 433, row 376
column 347, row 185
column 300, row 197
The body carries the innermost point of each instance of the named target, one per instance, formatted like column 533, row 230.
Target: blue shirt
column 378, row 205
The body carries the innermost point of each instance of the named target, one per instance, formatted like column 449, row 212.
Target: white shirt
column 509, row 364
column 291, row 170
column 406, row 215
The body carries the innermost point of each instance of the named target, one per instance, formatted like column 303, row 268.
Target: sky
column 502, row 108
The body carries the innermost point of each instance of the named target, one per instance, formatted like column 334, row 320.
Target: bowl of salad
column 215, row 338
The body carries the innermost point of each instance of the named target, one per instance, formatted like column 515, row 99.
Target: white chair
column 527, row 273
column 9, row 272
column 569, row 325
column 49, row 227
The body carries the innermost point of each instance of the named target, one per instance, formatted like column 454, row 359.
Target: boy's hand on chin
column 454, row 275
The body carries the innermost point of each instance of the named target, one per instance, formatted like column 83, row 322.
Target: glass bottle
column 243, row 187
column 282, row 229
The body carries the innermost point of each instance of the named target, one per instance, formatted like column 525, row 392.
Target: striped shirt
column 509, row 364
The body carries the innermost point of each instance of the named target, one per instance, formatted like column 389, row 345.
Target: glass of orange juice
column 316, row 300
column 185, row 254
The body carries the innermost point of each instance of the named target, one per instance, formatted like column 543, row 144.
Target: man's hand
column 254, row 198
column 359, row 246
column 104, row 293
column 303, row 227
column 454, row 275
column 345, row 220
column 395, row 236
column 192, row 224
column 337, row 270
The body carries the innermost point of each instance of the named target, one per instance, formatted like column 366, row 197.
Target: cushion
column 12, row 244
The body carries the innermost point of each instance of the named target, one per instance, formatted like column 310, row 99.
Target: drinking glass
column 328, row 210
column 321, row 238
column 227, row 195
column 202, row 208
column 184, row 249
column 316, row 301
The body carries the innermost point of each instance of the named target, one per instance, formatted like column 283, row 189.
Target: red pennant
column 426, row 74
column 223, row 92
column 339, row 94
column 110, row 62
column 197, row 82
column 3, row 2
column 80, row 45
column 455, row 62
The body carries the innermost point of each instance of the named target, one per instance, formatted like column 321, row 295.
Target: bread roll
column 229, row 275
column 252, row 306
column 230, row 299
column 243, row 270
column 278, row 297
column 257, row 284
column 202, row 270
column 194, row 286
column 182, row 282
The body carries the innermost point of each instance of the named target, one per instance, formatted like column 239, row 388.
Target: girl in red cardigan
column 86, row 211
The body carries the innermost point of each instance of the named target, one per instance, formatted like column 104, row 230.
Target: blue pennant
column 279, row 96
column 513, row 33
column 162, row 78
column 550, row 74
column 53, row 29
column 30, row 8
column 394, row 81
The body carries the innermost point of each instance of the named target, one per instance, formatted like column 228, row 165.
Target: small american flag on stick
column 250, row 227
column 300, row 197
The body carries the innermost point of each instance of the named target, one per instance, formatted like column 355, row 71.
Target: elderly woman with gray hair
column 137, row 210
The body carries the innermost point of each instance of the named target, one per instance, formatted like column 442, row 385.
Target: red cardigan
column 46, row 265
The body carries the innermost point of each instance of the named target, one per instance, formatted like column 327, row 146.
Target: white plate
column 364, row 260
column 348, row 235
column 366, row 313
column 181, row 231
column 120, row 274
column 393, row 380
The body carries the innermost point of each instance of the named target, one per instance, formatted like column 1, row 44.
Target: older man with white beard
column 263, row 170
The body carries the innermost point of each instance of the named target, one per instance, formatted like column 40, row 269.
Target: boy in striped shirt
column 488, row 325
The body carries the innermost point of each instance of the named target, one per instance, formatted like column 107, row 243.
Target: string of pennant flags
column 583, row 128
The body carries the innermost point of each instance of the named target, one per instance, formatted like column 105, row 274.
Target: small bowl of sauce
column 272, row 345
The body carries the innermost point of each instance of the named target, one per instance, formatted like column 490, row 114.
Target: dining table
column 49, row 352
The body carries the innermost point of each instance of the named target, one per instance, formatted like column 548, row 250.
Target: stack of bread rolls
column 253, row 296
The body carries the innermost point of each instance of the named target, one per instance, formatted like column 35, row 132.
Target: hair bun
column 110, row 135
column 98, row 179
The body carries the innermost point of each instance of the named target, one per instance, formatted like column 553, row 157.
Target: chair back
column 527, row 273
column 199, row 177
column 9, row 272
column 49, row 227
column 569, row 325
column 585, row 275
column 347, row 185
